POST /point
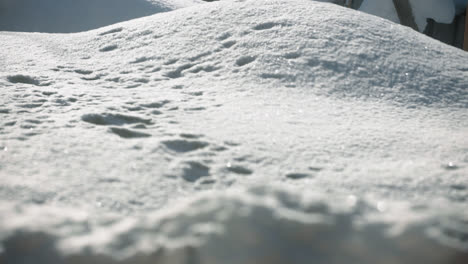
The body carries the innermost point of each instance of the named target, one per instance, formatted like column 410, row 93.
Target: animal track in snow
column 155, row 69
column 127, row 133
column 142, row 59
column 61, row 102
column 177, row 73
column 139, row 126
column 316, row 169
column 93, row 78
column 141, row 80
column 207, row 68
column 224, row 36
column 199, row 93
column 141, row 33
column 30, row 105
column 84, row 72
column 277, row 76
column 133, row 108
column 171, row 61
column 458, row 187
column 108, row 48
column 244, row 60
column 238, row 169
column 194, row 170
column 33, row 121
column 48, row 93
column 229, row 43
column 109, row 180
column 114, row 30
column 10, row 123
column 190, row 136
column 184, row 145
column 199, row 56
column 130, row 86
column 156, row 112
column 26, row 79
column 292, row 55
column 113, row 119
column 158, row 104
column 450, row 166
column 266, row 25
column 297, row 176
column 200, row 108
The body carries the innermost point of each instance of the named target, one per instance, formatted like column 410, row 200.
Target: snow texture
column 229, row 132
column 260, row 225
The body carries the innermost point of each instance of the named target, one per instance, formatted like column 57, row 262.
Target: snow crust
column 140, row 141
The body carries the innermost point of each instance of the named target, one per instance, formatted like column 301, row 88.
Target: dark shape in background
column 66, row 16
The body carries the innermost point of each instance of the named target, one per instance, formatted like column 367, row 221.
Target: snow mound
column 65, row 16
column 133, row 117
column 262, row 225
column 336, row 51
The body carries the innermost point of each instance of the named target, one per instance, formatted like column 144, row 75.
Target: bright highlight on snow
column 285, row 131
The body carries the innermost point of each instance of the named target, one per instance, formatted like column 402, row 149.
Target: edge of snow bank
column 259, row 225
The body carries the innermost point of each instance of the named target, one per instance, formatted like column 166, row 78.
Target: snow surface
column 229, row 132
column 442, row 11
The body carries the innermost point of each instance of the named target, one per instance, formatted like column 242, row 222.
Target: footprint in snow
column 184, row 145
column 127, row 133
column 113, row 119
column 26, row 79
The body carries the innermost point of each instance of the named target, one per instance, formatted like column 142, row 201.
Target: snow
column 180, row 138
column 442, row 11
column 259, row 225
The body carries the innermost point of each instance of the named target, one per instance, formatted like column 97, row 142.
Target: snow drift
column 261, row 225
column 129, row 123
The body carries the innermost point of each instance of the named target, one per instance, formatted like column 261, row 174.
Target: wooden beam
column 405, row 13
column 465, row 44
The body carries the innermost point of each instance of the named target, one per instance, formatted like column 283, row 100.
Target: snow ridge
column 215, row 228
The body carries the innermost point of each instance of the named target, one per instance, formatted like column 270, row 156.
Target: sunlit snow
column 257, row 131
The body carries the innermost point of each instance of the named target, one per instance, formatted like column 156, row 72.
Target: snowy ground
column 197, row 135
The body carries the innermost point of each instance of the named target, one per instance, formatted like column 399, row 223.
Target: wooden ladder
column 405, row 13
column 465, row 43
